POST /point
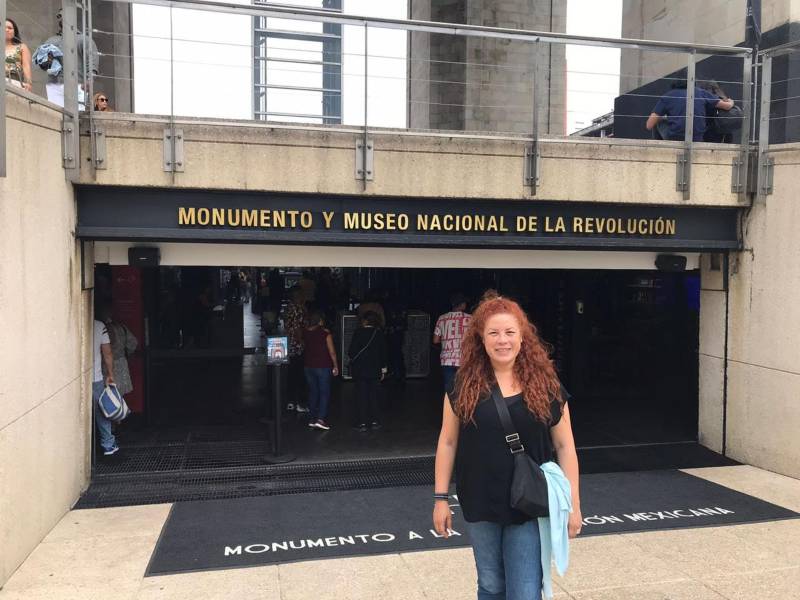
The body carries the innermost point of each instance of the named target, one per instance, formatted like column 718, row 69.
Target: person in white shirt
column 448, row 332
column 102, row 357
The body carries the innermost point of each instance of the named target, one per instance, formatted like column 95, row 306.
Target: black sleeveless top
column 484, row 465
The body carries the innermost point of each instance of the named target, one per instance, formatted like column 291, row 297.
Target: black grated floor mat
column 125, row 489
column 205, row 470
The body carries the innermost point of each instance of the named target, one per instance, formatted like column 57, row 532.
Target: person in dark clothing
column 669, row 113
column 713, row 131
column 367, row 353
column 502, row 351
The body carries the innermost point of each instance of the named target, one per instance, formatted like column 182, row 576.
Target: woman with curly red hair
column 502, row 348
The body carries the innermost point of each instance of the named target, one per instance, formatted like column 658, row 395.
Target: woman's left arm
column 564, row 444
column 26, row 68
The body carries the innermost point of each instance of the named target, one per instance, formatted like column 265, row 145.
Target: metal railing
column 465, row 85
column 779, row 118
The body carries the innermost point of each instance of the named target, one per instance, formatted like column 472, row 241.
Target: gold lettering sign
column 523, row 224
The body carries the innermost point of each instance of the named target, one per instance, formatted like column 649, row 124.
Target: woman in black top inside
column 501, row 347
column 367, row 353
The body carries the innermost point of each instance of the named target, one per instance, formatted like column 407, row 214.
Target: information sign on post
column 277, row 350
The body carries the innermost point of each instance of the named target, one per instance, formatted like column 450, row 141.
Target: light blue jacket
column 553, row 529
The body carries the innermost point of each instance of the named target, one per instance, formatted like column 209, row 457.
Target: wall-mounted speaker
column 670, row 263
column 144, row 257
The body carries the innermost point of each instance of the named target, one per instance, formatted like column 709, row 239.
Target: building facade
column 149, row 190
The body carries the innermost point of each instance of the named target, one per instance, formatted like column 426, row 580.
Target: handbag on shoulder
column 528, row 483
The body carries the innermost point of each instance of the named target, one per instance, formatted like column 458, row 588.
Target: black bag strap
column 512, row 437
column 360, row 352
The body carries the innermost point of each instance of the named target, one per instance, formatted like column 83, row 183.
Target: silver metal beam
column 747, row 109
column 317, row 15
column 781, row 50
column 685, row 160
column 37, row 99
column 764, row 160
column 70, row 140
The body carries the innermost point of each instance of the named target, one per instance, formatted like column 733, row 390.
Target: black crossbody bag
column 528, row 483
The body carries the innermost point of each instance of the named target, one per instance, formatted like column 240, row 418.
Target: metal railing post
column 685, row 159
column 532, row 153
column 3, row 104
column 747, row 109
column 69, row 133
column 366, row 105
column 764, row 161
column 364, row 146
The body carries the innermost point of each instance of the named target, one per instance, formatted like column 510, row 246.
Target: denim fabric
column 508, row 560
column 448, row 374
column 107, row 440
column 319, row 392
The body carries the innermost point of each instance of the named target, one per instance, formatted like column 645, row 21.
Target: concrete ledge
column 274, row 157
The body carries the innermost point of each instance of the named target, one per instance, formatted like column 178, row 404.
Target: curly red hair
column 533, row 368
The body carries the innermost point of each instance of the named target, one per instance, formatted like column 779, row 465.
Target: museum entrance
column 624, row 342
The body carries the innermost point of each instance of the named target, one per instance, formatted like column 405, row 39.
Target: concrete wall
column 764, row 363
column 44, row 360
column 763, row 388
column 482, row 84
column 274, row 158
column 719, row 22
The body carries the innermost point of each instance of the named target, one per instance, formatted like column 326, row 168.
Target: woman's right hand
column 442, row 518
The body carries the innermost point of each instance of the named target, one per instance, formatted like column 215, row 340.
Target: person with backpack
column 721, row 124
column 367, row 353
column 668, row 117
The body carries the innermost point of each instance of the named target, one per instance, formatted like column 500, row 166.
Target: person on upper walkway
column 669, row 114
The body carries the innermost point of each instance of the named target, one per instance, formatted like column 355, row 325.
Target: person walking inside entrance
column 320, row 365
column 502, row 353
column 367, row 354
column 448, row 332
column 103, row 358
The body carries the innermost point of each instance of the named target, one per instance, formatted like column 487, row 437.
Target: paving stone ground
column 103, row 553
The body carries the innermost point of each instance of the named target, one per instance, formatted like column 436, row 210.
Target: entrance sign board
column 255, row 217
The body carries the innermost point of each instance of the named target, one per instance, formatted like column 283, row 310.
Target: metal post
column 747, row 108
column 532, row 154
column 764, row 161
column 3, row 104
column 366, row 106
column 69, row 134
column 685, row 161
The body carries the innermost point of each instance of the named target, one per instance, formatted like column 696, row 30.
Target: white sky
column 212, row 73
column 592, row 73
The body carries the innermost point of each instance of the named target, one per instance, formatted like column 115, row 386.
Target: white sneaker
column 301, row 409
column 111, row 451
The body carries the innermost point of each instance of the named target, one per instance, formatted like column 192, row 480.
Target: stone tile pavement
column 102, row 553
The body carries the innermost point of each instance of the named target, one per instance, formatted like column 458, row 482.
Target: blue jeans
column 448, row 374
column 508, row 560
column 107, row 440
column 319, row 392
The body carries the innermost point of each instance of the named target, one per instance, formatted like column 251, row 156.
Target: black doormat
column 245, row 532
